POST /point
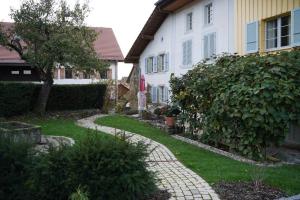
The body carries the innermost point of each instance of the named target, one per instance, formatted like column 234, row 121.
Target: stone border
column 227, row 154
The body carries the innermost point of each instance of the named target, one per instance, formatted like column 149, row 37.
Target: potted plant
column 170, row 115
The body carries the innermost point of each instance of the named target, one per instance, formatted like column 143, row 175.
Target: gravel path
column 181, row 182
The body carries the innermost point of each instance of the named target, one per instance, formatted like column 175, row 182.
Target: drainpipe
column 116, row 84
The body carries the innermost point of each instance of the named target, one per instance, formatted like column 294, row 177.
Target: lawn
column 62, row 127
column 212, row 167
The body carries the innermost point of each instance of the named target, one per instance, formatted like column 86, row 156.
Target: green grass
column 212, row 167
column 62, row 127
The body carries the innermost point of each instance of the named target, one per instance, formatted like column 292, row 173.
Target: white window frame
column 151, row 68
column 215, row 45
column 208, row 17
column 278, row 19
column 189, row 22
column 188, row 62
column 27, row 72
column 15, row 72
column 163, row 67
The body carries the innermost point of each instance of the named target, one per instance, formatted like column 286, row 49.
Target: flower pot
column 170, row 121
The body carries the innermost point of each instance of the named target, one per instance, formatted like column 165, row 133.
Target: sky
column 125, row 17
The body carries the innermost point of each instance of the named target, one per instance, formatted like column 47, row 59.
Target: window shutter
column 189, row 52
column 154, row 94
column 166, row 94
column 184, row 53
column 296, row 27
column 252, row 37
column 166, row 62
column 206, row 46
column 146, row 68
column 206, row 15
column 212, row 44
column 155, row 64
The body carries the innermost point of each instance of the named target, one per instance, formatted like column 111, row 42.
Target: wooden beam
column 147, row 37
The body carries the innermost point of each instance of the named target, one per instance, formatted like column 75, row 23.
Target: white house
column 107, row 48
column 178, row 35
column 13, row 68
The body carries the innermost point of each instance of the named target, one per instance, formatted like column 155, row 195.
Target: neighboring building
column 178, row 35
column 266, row 25
column 13, row 68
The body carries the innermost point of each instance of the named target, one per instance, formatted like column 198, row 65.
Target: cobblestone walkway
column 181, row 182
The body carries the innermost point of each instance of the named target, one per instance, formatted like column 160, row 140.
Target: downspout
column 116, row 84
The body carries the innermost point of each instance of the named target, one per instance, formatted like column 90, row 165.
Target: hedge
column 245, row 102
column 20, row 98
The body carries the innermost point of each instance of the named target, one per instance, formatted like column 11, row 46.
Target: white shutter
column 252, row 39
column 206, row 46
column 296, row 27
column 155, row 64
column 212, row 44
column 154, row 94
column 146, row 67
column 189, row 52
column 166, row 62
column 184, row 53
column 166, row 94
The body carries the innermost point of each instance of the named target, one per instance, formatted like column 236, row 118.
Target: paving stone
column 173, row 176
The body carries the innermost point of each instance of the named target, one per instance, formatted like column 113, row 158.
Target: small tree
column 47, row 32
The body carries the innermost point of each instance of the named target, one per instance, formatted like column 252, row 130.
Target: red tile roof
column 106, row 46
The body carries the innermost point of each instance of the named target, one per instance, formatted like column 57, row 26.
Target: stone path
column 180, row 182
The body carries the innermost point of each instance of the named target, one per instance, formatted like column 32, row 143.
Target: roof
column 106, row 46
column 160, row 13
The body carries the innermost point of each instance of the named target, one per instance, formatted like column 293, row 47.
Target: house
column 178, row 35
column 264, row 26
column 13, row 68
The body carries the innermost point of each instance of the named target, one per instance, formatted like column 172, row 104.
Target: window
column 68, row 73
column 208, row 14
column 16, row 72
column 278, row 32
column 149, row 64
column 209, row 45
column 161, row 63
column 163, row 94
column 153, row 94
column 26, row 72
column 189, row 21
column 187, row 52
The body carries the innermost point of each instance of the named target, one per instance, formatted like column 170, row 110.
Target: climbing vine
column 245, row 102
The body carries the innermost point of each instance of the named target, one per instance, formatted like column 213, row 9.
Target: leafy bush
column 20, row 98
column 246, row 102
column 108, row 169
column 15, row 157
column 157, row 111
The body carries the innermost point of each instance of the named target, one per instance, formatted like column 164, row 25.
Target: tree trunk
column 40, row 107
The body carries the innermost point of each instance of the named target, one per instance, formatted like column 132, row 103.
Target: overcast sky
column 126, row 17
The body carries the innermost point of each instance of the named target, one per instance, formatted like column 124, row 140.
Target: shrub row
column 245, row 102
column 20, row 98
column 102, row 168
